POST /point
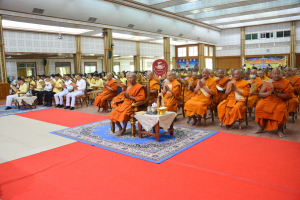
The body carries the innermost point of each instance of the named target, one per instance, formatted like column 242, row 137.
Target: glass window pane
column 271, row 35
column 116, row 67
column 287, row 33
column 248, row 37
column 30, row 71
column 211, row 51
column 254, row 36
column 22, row 72
column 279, row 34
column 262, row 35
column 193, row 51
column 21, row 65
column 182, row 52
column 63, row 70
column 208, row 63
column 131, row 66
column 205, row 50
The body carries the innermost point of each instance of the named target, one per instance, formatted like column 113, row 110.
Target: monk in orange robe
column 234, row 107
column 190, row 92
column 294, row 72
column 171, row 95
column 110, row 87
column 272, row 111
column 256, row 84
column 261, row 74
column 295, row 82
column 221, row 82
column 120, row 96
column 154, row 85
column 134, row 93
column 206, row 87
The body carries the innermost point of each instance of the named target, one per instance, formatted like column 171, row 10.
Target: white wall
column 298, row 37
column 229, row 42
column 125, row 64
column 148, row 49
column 91, row 45
column 11, row 66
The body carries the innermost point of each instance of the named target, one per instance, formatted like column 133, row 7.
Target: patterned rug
column 14, row 111
column 99, row 134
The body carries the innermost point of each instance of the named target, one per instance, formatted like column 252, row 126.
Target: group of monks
column 230, row 96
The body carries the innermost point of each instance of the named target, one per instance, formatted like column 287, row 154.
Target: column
column 201, row 56
column 4, row 85
column 77, row 56
column 167, row 51
column 293, row 44
column 103, row 65
column 108, row 50
column 47, row 70
column 214, row 59
column 137, row 58
column 174, row 63
column 242, row 47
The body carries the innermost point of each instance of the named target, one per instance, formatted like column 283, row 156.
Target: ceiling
column 230, row 13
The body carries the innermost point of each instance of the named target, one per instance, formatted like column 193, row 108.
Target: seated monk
column 198, row 104
column 134, row 93
column 220, row 96
column 234, row 107
column 110, row 87
column 97, row 88
column 154, row 85
column 272, row 111
column 256, row 84
column 120, row 96
column 262, row 75
column 294, row 72
column 171, row 92
column 191, row 87
column 295, row 81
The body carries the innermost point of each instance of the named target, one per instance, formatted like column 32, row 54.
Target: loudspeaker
column 109, row 54
column 45, row 62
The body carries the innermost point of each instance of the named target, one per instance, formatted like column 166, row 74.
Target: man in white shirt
column 14, row 83
column 79, row 89
column 67, row 88
column 47, row 88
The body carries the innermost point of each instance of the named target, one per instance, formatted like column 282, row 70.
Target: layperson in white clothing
column 79, row 89
column 14, row 83
column 22, row 89
column 47, row 88
column 67, row 88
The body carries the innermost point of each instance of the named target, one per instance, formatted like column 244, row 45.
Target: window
column 63, row 68
column 209, row 63
column 211, row 51
column 149, row 66
column 279, row 34
column 253, row 36
column 283, row 34
column 181, row 52
column 90, row 67
column 116, row 67
column 26, row 69
column 132, row 66
column 205, row 50
column 266, row 35
column 193, row 51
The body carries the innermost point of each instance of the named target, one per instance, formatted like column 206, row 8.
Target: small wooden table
column 156, row 131
column 24, row 100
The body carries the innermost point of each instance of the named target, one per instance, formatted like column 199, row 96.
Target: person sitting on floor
column 22, row 90
column 67, row 88
column 79, row 89
column 47, row 88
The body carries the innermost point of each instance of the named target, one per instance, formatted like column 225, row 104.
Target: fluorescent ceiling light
column 126, row 36
column 7, row 24
column 173, row 42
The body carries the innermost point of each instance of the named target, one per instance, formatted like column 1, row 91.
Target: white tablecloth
column 149, row 121
column 27, row 100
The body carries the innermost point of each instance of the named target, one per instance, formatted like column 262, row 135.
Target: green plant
column 8, row 80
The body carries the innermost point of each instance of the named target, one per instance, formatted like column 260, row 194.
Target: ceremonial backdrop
column 263, row 62
column 187, row 64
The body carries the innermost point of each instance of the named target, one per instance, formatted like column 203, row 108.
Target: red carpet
column 64, row 117
column 225, row 166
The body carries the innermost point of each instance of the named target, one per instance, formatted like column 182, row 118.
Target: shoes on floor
column 8, row 108
column 67, row 107
column 57, row 106
column 49, row 105
column 61, row 106
column 39, row 104
column 72, row 108
column 46, row 104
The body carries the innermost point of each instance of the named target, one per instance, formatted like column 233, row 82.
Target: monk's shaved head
column 171, row 76
column 132, row 78
column 276, row 74
column 206, row 70
column 195, row 75
column 237, row 74
column 149, row 75
column 220, row 73
column 132, row 74
column 287, row 71
column 294, row 71
column 205, row 73
column 253, row 72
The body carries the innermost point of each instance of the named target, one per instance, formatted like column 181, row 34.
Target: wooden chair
column 180, row 102
column 210, row 107
column 81, row 99
column 245, row 119
column 137, row 106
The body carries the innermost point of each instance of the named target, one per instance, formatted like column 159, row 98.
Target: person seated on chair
column 22, row 90
column 79, row 89
column 32, row 84
column 191, row 87
column 256, row 84
column 110, row 88
column 262, row 75
column 272, row 111
column 134, row 93
column 234, row 107
column 295, row 81
column 90, row 81
column 14, row 83
column 171, row 92
column 212, row 74
column 57, row 87
column 220, row 96
column 198, row 104
column 98, row 88
column 295, row 72
column 67, row 88
column 47, row 88
column 39, row 85
column 154, row 85
column 120, row 96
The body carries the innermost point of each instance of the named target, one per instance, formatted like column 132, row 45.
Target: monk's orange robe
column 171, row 100
column 253, row 99
column 265, row 78
column 293, row 102
column 296, row 84
column 273, row 110
column 190, row 93
column 199, row 103
column 123, row 111
column 119, row 97
column 232, row 109
column 100, row 100
column 154, row 85
column 220, row 95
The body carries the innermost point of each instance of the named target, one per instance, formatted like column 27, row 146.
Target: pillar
column 242, row 47
column 174, row 63
column 103, row 65
column 293, row 44
column 77, row 56
column 108, row 50
column 201, row 58
column 137, row 57
column 4, row 85
column 167, row 55
column 214, row 59
column 47, row 70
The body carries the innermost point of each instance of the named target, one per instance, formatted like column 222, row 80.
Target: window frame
column 63, row 62
column 89, row 62
column 26, row 67
column 119, row 67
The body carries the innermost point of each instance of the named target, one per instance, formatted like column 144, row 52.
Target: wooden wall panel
column 4, row 90
column 298, row 60
column 228, row 62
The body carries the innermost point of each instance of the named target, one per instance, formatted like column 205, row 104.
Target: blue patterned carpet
column 99, row 134
column 14, row 111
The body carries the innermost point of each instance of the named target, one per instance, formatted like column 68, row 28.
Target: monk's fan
column 238, row 96
column 253, row 87
column 204, row 91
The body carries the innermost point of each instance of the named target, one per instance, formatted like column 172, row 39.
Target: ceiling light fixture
column 126, row 36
